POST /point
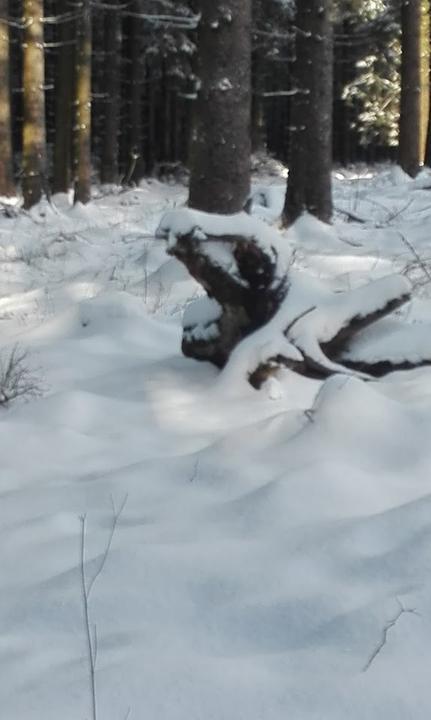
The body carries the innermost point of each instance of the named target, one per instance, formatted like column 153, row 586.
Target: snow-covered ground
column 273, row 557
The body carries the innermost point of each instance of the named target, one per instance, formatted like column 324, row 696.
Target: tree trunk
column 6, row 165
column 135, row 158
column 425, row 75
column 220, row 152
column 152, row 145
column 64, row 110
column 34, row 139
column 409, row 150
column 309, row 185
column 82, row 129
column 112, row 87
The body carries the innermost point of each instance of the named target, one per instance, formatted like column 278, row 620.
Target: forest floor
column 264, row 562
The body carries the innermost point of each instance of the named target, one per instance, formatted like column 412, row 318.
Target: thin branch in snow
column 195, row 472
column 396, row 213
column 389, row 625
column 298, row 318
column 88, row 633
column 115, row 517
column 350, row 215
column 91, row 630
column 415, row 254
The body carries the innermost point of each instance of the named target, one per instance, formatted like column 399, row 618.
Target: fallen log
column 266, row 315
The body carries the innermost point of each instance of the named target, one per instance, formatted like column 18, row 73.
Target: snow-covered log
column 261, row 315
column 322, row 334
column 389, row 345
column 236, row 260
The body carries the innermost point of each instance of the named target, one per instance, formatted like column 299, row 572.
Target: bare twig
column 115, row 517
column 88, row 634
column 415, row 254
column 16, row 379
column 195, row 472
column 389, row 625
column 86, row 588
column 298, row 318
column 350, row 215
column 396, row 213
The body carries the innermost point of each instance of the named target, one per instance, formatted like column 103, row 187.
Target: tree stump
column 256, row 304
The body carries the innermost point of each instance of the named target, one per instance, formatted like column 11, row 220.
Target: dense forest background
column 107, row 90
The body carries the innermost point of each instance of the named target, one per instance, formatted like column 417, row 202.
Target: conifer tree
column 82, row 103
column 34, row 133
column 409, row 149
column 6, row 162
column 310, row 154
column 220, row 151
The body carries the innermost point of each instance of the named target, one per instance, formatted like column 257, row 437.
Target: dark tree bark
column 82, row 102
column 248, row 301
column 34, row 139
column 258, row 130
column 310, row 163
column 112, row 87
column 152, row 144
column 409, row 150
column 426, row 75
column 6, row 163
column 62, row 179
column 135, row 150
column 220, row 152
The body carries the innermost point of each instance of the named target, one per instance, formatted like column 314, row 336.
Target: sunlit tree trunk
column 220, row 152
column 425, row 74
column 6, row 162
column 34, row 139
column 310, row 155
column 82, row 102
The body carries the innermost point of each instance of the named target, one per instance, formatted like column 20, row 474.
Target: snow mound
column 268, row 201
column 309, row 233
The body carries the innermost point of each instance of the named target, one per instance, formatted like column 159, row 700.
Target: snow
column 184, row 221
column 393, row 341
column 273, row 556
column 324, row 323
column 312, row 314
column 200, row 318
